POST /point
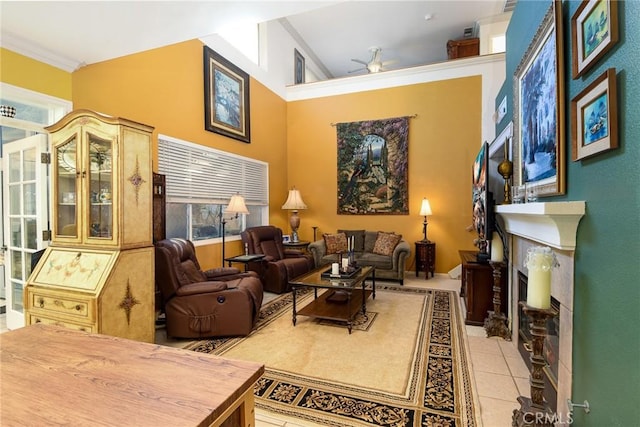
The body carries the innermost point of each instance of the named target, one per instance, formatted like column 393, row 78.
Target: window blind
column 201, row 174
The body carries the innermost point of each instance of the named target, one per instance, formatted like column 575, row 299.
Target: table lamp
column 425, row 210
column 237, row 207
column 294, row 202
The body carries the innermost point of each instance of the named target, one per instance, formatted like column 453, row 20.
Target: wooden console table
column 57, row 375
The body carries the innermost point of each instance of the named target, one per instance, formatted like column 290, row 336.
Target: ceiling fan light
column 374, row 67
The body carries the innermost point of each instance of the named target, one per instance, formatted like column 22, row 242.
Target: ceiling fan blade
column 357, row 70
column 359, row 61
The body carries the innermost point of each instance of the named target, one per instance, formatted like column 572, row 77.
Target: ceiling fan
column 375, row 64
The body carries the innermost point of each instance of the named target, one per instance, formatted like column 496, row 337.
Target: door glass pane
column 16, row 300
column 30, row 233
column 100, row 188
column 14, row 167
column 16, row 235
column 14, row 202
column 30, row 199
column 29, row 159
column 16, row 265
column 67, row 190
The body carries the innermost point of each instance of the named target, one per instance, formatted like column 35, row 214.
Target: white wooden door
column 25, row 208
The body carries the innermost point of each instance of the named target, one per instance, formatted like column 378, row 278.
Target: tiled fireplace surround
column 555, row 225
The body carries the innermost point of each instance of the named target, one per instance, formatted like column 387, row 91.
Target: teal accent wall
column 606, row 340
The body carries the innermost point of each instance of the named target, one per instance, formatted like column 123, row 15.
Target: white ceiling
column 85, row 32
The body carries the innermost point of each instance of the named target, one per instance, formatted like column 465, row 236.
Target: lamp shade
column 294, row 201
column 425, row 209
column 236, row 205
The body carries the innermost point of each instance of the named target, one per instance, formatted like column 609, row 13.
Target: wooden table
column 54, row 375
column 329, row 305
column 425, row 258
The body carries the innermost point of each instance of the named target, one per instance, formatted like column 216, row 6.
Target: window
column 200, row 181
column 245, row 38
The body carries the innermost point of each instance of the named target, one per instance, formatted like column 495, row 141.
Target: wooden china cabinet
column 98, row 273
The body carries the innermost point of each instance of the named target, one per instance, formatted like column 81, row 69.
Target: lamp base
column 294, row 236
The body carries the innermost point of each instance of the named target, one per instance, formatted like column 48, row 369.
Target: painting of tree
column 373, row 167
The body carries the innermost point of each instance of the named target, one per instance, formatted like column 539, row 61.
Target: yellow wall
column 443, row 141
column 164, row 88
column 27, row 73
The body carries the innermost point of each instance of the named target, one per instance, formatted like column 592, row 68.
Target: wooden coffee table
column 343, row 298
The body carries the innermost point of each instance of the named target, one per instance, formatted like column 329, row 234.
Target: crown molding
column 28, row 49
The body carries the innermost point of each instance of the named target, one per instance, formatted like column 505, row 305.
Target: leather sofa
column 279, row 265
column 390, row 267
column 216, row 302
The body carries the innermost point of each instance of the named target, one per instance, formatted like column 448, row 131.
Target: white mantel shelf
column 550, row 223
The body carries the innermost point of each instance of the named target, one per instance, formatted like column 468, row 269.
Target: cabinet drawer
column 64, row 305
column 34, row 318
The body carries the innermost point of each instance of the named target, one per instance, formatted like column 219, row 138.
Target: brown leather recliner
column 217, row 302
column 279, row 265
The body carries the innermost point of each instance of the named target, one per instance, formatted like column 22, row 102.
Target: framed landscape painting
column 594, row 117
column 226, row 96
column 539, row 149
column 594, row 30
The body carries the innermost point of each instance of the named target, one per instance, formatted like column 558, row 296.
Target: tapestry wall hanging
column 373, row 167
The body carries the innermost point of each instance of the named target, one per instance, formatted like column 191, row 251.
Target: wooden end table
column 426, row 258
column 245, row 259
column 302, row 245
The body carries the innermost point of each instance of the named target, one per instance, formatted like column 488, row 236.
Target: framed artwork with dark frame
column 594, row 117
column 594, row 30
column 298, row 69
column 539, row 149
column 226, row 97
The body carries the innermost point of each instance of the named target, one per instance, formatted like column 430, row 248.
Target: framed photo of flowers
column 594, row 30
column 226, row 97
column 594, row 117
column 538, row 139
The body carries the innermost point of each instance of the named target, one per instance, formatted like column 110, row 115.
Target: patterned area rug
column 435, row 383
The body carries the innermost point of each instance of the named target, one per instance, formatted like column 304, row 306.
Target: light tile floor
column 499, row 371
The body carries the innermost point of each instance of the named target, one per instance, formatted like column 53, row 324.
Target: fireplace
column 551, row 344
column 552, row 224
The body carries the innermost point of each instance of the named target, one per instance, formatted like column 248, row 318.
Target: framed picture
column 594, row 30
column 298, row 71
column 226, row 97
column 286, row 238
column 594, row 117
column 539, row 149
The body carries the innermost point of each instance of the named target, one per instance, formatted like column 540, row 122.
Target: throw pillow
column 386, row 243
column 358, row 238
column 335, row 243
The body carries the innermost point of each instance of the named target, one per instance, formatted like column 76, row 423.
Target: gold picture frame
column 539, row 121
column 594, row 117
column 594, row 31
column 226, row 96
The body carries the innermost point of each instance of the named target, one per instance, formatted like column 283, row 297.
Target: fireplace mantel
column 551, row 223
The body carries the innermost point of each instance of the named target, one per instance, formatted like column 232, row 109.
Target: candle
column 539, row 262
column 335, row 269
column 345, row 263
column 497, row 249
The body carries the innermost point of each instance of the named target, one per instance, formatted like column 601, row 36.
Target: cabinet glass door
column 67, row 188
column 100, row 187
